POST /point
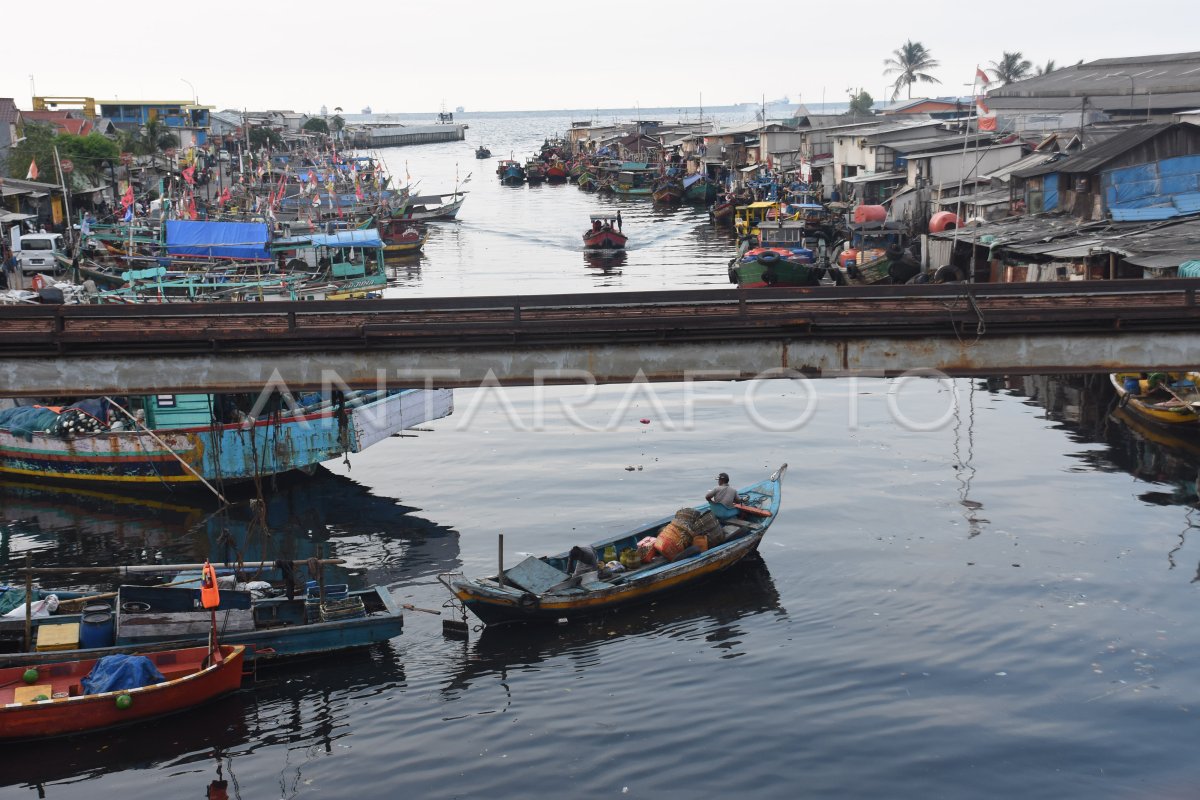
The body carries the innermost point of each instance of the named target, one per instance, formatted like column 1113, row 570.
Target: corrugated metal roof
column 1168, row 81
column 1100, row 154
column 1143, row 244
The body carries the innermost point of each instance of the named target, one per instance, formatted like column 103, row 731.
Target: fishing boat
column 587, row 182
column 146, row 618
column 535, row 172
column 556, row 172
column 431, row 207
column 57, row 703
column 511, row 172
column 698, row 188
column 668, row 190
column 604, row 234
column 634, row 180
column 482, row 152
column 785, row 253
column 545, row 589
column 178, row 441
column 721, row 212
column 1171, row 399
column 402, row 238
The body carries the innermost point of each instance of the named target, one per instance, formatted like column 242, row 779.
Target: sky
column 405, row 56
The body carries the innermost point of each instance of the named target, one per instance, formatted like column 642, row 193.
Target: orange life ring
column 210, row 596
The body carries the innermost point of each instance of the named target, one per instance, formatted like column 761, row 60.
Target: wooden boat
column 668, row 190
column 186, row 438
column 534, row 171
column 1166, row 398
column 721, row 213
column 785, row 253
column 151, row 618
column 556, row 172
column 635, row 180
column 587, row 182
column 510, row 172
column 402, row 237
column 699, row 189
column 604, row 234
column 431, row 207
column 542, row 589
column 482, row 152
column 192, row 678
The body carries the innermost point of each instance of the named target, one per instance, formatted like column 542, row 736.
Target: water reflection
column 711, row 612
column 607, row 261
column 383, row 541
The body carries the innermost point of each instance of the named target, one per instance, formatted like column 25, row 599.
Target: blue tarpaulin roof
column 217, row 239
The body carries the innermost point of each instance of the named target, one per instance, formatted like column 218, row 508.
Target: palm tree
column 909, row 63
column 1047, row 69
column 1011, row 67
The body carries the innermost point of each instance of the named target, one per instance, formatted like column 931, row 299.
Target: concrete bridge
column 959, row 330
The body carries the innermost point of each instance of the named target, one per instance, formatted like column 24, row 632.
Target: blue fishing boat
column 169, row 441
column 580, row 581
column 511, row 172
column 154, row 618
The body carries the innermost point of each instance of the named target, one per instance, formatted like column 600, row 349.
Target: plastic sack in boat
column 113, row 673
column 41, row 608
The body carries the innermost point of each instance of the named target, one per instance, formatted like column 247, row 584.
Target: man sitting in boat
column 722, row 499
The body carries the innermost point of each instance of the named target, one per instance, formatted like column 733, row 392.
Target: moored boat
column 1171, row 399
column 604, row 234
column 552, row 588
column 510, row 172
column 668, row 190
column 182, row 440
column 56, row 702
column 149, row 617
column 556, row 172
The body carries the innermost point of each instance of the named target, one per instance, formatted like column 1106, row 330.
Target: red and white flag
column 982, row 78
column 987, row 117
column 33, row 171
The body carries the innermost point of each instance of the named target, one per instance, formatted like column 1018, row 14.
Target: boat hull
column 84, row 713
column 1168, row 412
column 604, row 240
column 230, row 452
column 291, row 637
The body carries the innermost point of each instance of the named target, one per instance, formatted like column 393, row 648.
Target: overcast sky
column 400, row 55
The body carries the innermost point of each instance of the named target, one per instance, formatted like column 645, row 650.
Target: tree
column 153, row 138
column 1047, row 69
column 38, row 145
column 861, row 103
column 316, row 125
column 89, row 153
column 337, row 122
column 262, row 137
column 909, row 63
column 1011, row 67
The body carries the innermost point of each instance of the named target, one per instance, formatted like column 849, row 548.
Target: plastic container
column 1131, row 386
column 96, row 629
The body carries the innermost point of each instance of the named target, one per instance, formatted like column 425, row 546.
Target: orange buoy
column 944, row 221
column 870, row 214
column 210, row 596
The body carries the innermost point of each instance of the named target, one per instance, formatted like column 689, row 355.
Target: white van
column 38, row 250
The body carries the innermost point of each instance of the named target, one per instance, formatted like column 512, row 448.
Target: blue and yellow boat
column 557, row 587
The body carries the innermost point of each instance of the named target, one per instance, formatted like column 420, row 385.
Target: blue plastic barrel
column 1131, row 386
column 96, row 629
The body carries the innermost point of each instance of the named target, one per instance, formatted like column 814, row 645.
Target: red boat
column 605, row 234
column 556, row 172
column 191, row 679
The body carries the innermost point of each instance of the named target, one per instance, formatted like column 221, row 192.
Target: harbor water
column 975, row 588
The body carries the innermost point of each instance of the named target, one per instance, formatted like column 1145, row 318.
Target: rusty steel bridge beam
column 985, row 329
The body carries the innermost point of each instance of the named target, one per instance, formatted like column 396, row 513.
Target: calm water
column 975, row 590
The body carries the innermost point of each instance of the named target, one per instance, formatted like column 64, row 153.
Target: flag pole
column 66, row 198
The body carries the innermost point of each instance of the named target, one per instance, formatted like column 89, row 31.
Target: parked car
column 38, row 251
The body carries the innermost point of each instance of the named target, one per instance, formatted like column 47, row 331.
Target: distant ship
column 367, row 110
column 458, row 110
